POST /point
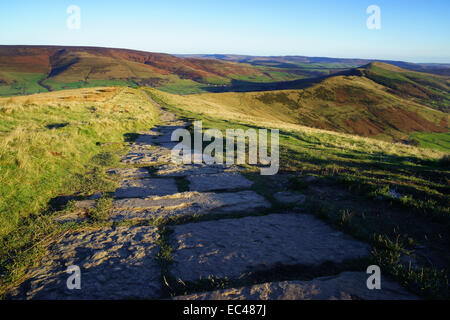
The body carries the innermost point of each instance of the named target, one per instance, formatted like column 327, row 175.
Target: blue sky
column 411, row 30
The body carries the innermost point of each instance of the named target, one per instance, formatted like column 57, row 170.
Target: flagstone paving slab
column 345, row 286
column 120, row 263
column 289, row 197
column 150, row 156
column 188, row 203
column 219, row 181
column 114, row 264
column 141, row 188
column 173, row 170
column 130, row 173
column 160, row 134
column 233, row 247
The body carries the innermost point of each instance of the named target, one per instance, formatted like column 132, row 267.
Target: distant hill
column 304, row 64
column 30, row 69
column 377, row 100
column 427, row 89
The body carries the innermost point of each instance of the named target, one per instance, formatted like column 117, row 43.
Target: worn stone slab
column 160, row 134
column 289, row 197
column 168, row 117
column 219, row 181
column 155, row 139
column 148, row 156
column 141, row 148
column 173, row 170
column 85, row 204
column 114, row 263
column 345, row 286
column 73, row 216
column 233, row 247
column 81, row 208
column 141, row 188
column 130, row 173
column 178, row 158
column 168, row 145
column 188, row 203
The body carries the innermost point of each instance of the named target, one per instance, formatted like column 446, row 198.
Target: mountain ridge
column 65, row 66
column 32, row 69
column 351, row 102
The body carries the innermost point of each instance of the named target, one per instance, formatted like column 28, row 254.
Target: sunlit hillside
column 354, row 104
column 50, row 142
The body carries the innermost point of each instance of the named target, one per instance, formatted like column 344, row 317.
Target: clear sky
column 411, row 30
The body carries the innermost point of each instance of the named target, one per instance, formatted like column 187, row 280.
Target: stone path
column 233, row 247
column 121, row 262
column 345, row 286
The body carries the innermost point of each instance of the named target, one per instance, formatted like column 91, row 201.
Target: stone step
column 234, row 247
column 287, row 197
column 142, row 188
column 345, row 286
column 188, row 203
column 219, row 181
column 173, row 170
column 148, row 156
column 114, row 263
column 130, row 173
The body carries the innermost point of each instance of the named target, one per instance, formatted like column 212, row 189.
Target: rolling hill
column 377, row 100
column 31, row 69
column 427, row 89
column 321, row 65
column 57, row 148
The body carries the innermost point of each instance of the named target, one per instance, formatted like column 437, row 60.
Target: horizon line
column 224, row 54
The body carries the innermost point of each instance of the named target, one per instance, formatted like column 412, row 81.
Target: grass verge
column 398, row 195
column 43, row 165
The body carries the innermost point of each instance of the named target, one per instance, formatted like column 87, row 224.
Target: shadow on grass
column 130, row 137
column 57, row 125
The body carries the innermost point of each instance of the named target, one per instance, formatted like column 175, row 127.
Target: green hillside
column 392, row 195
column 427, row 89
column 33, row 69
column 352, row 103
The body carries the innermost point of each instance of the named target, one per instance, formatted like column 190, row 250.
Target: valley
column 87, row 179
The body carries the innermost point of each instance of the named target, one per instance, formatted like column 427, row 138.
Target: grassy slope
column 42, row 158
column 74, row 67
column 427, row 89
column 48, row 139
column 348, row 104
column 438, row 141
column 369, row 170
column 321, row 150
column 19, row 83
column 59, row 144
